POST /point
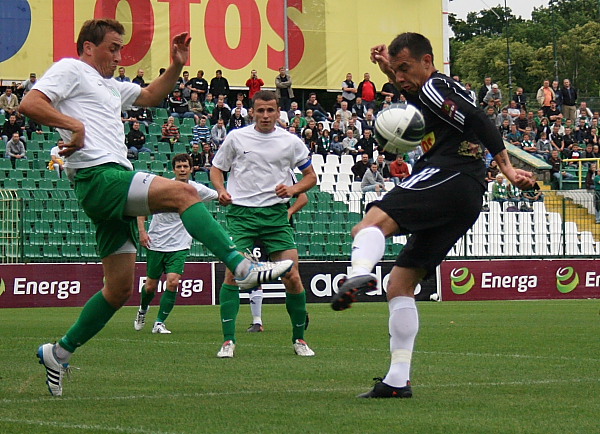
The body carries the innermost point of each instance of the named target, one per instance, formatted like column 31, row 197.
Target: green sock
column 167, row 301
column 203, row 227
column 229, row 297
column 146, row 298
column 92, row 319
column 296, row 307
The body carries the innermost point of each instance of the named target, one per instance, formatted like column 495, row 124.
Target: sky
column 521, row 8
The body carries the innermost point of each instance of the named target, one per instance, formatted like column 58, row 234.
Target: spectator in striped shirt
column 201, row 132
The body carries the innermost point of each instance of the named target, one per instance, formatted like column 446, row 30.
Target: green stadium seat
column 162, row 113
column 48, row 216
column 157, row 167
column 38, row 174
column 163, row 148
column 53, row 205
column 144, row 156
column 46, row 184
column 15, row 174
column 155, row 130
column 42, row 227
column 88, row 252
column 51, row 252
column 70, row 251
column 5, row 164
column 140, row 165
column 63, row 184
column 10, row 184
column 55, row 239
column 159, row 156
column 79, row 227
column 179, row 148
column 22, row 164
column 202, row 177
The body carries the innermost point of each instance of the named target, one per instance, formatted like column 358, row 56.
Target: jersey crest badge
column 449, row 108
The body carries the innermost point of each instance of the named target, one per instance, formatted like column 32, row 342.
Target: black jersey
column 454, row 128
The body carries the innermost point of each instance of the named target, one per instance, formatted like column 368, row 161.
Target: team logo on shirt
column 449, row 108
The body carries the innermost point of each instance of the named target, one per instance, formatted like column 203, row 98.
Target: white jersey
column 79, row 91
column 258, row 162
column 167, row 233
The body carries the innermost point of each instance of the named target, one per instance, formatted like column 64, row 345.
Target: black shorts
column 436, row 207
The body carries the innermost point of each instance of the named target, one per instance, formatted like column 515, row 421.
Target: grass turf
column 480, row 367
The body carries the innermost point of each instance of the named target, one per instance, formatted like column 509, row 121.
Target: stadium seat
column 157, row 167
column 179, row 148
column 144, row 156
column 10, row 184
column 317, row 160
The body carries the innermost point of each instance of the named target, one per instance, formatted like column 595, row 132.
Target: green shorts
column 165, row 262
column 102, row 193
column 246, row 225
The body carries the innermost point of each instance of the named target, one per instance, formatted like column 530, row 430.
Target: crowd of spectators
column 554, row 127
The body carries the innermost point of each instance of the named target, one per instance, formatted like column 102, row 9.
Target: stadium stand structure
column 42, row 221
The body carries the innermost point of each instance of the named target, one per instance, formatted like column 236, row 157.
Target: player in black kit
column 436, row 205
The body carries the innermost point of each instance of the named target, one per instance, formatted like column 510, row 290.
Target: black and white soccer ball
column 399, row 128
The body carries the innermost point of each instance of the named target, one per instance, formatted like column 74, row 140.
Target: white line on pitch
column 49, row 399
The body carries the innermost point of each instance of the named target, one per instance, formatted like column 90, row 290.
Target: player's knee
column 117, row 295
column 292, row 281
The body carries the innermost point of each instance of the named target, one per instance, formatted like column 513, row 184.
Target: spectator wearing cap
column 298, row 116
column 178, row 105
column 494, row 94
column 28, row 84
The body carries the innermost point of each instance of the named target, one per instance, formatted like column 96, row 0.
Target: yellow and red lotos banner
column 326, row 39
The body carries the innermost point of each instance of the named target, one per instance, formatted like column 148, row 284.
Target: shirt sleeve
column 301, row 155
column 453, row 104
column 206, row 194
column 129, row 93
column 224, row 158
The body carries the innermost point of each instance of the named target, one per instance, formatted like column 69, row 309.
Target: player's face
column 266, row 114
column 106, row 56
column 182, row 171
column 411, row 74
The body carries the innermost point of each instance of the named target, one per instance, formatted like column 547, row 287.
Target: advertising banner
column 520, row 279
column 321, row 280
column 62, row 285
column 326, row 39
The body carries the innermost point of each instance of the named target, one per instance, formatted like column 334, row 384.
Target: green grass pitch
column 478, row 367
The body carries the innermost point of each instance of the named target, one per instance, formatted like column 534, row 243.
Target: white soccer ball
column 399, row 128
column 434, row 297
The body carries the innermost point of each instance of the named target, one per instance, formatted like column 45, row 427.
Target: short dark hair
column 264, row 95
column 94, row 31
column 181, row 158
column 417, row 44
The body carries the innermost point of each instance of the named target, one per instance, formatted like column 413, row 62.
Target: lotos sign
column 519, row 279
column 326, row 39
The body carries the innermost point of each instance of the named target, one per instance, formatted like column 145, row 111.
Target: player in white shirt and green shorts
column 84, row 102
column 258, row 158
column 168, row 245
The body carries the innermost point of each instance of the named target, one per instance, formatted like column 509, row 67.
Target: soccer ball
column 399, row 128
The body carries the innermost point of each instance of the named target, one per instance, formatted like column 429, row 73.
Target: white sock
column 403, row 326
column 367, row 250
column 256, row 297
column 62, row 355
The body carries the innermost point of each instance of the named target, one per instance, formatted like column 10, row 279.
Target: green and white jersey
column 258, row 162
column 79, row 91
column 167, row 233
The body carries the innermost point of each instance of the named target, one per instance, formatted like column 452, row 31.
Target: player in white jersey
column 258, row 158
column 84, row 102
column 168, row 244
